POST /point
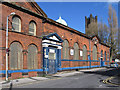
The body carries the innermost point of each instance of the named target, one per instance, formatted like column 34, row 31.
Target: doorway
column 52, row 61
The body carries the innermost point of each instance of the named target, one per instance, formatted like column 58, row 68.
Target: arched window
column 65, row 49
column 16, row 56
column 16, row 24
column 105, row 56
column 76, row 51
column 84, row 52
column 32, row 57
column 94, row 52
column 32, row 28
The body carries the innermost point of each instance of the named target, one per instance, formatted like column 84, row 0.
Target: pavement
column 22, row 81
column 35, row 79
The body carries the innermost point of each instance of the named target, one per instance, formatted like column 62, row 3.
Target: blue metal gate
column 52, row 60
column 102, row 63
column 52, row 66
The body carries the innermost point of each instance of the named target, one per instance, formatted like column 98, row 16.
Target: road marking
column 100, row 85
column 106, row 81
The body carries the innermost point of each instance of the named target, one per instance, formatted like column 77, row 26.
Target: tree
column 92, row 29
column 112, row 38
column 103, row 32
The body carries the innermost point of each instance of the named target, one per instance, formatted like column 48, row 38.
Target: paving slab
column 22, row 81
column 67, row 74
column 93, row 69
column 39, row 78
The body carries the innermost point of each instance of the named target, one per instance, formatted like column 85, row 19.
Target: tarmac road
column 89, row 79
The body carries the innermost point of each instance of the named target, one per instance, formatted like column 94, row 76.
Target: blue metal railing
column 66, row 68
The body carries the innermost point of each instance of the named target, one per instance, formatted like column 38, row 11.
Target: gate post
column 89, row 61
column 101, row 61
column 45, row 59
column 59, row 59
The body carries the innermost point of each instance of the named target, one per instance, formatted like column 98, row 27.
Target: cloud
column 113, row 0
column 110, row 1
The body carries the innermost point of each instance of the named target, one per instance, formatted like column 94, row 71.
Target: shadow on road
column 109, row 72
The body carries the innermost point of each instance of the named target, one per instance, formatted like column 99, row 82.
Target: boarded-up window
column 76, row 51
column 32, row 28
column 105, row 56
column 94, row 52
column 65, row 49
column 16, row 56
column 84, row 52
column 16, row 24
column 32, row 57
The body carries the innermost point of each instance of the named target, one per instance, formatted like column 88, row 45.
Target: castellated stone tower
column 91, row 27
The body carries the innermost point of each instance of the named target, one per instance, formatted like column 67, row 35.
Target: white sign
column 81, row 53
column 46, row 56
column 117, row 60
column 71, row 51
column 51, row 50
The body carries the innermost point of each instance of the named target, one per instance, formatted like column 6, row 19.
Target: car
column 113, row 65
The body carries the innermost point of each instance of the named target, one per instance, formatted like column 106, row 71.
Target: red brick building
column 37, row 43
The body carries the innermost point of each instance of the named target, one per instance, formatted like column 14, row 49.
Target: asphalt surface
column 89, row 79
column 116, row 80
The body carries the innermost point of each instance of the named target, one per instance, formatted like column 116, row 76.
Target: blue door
column 89, row 58
column 101, row 62
column 101, row 58
column 52, row 68
column 52, row 61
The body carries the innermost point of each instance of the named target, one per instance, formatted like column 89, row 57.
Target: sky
column 74, row 12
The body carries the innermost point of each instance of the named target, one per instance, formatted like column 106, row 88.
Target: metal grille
column 16, row 24
column 32, row 28
column 76, row 51
column 65, row 49
column 94, row 52
column 32, row 57
column 52, row 56
column 84, row 53
column 16, row 56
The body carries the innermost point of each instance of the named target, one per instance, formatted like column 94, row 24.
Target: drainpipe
column 7, row 50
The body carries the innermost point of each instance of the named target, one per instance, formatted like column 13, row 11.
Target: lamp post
column 13, row 13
